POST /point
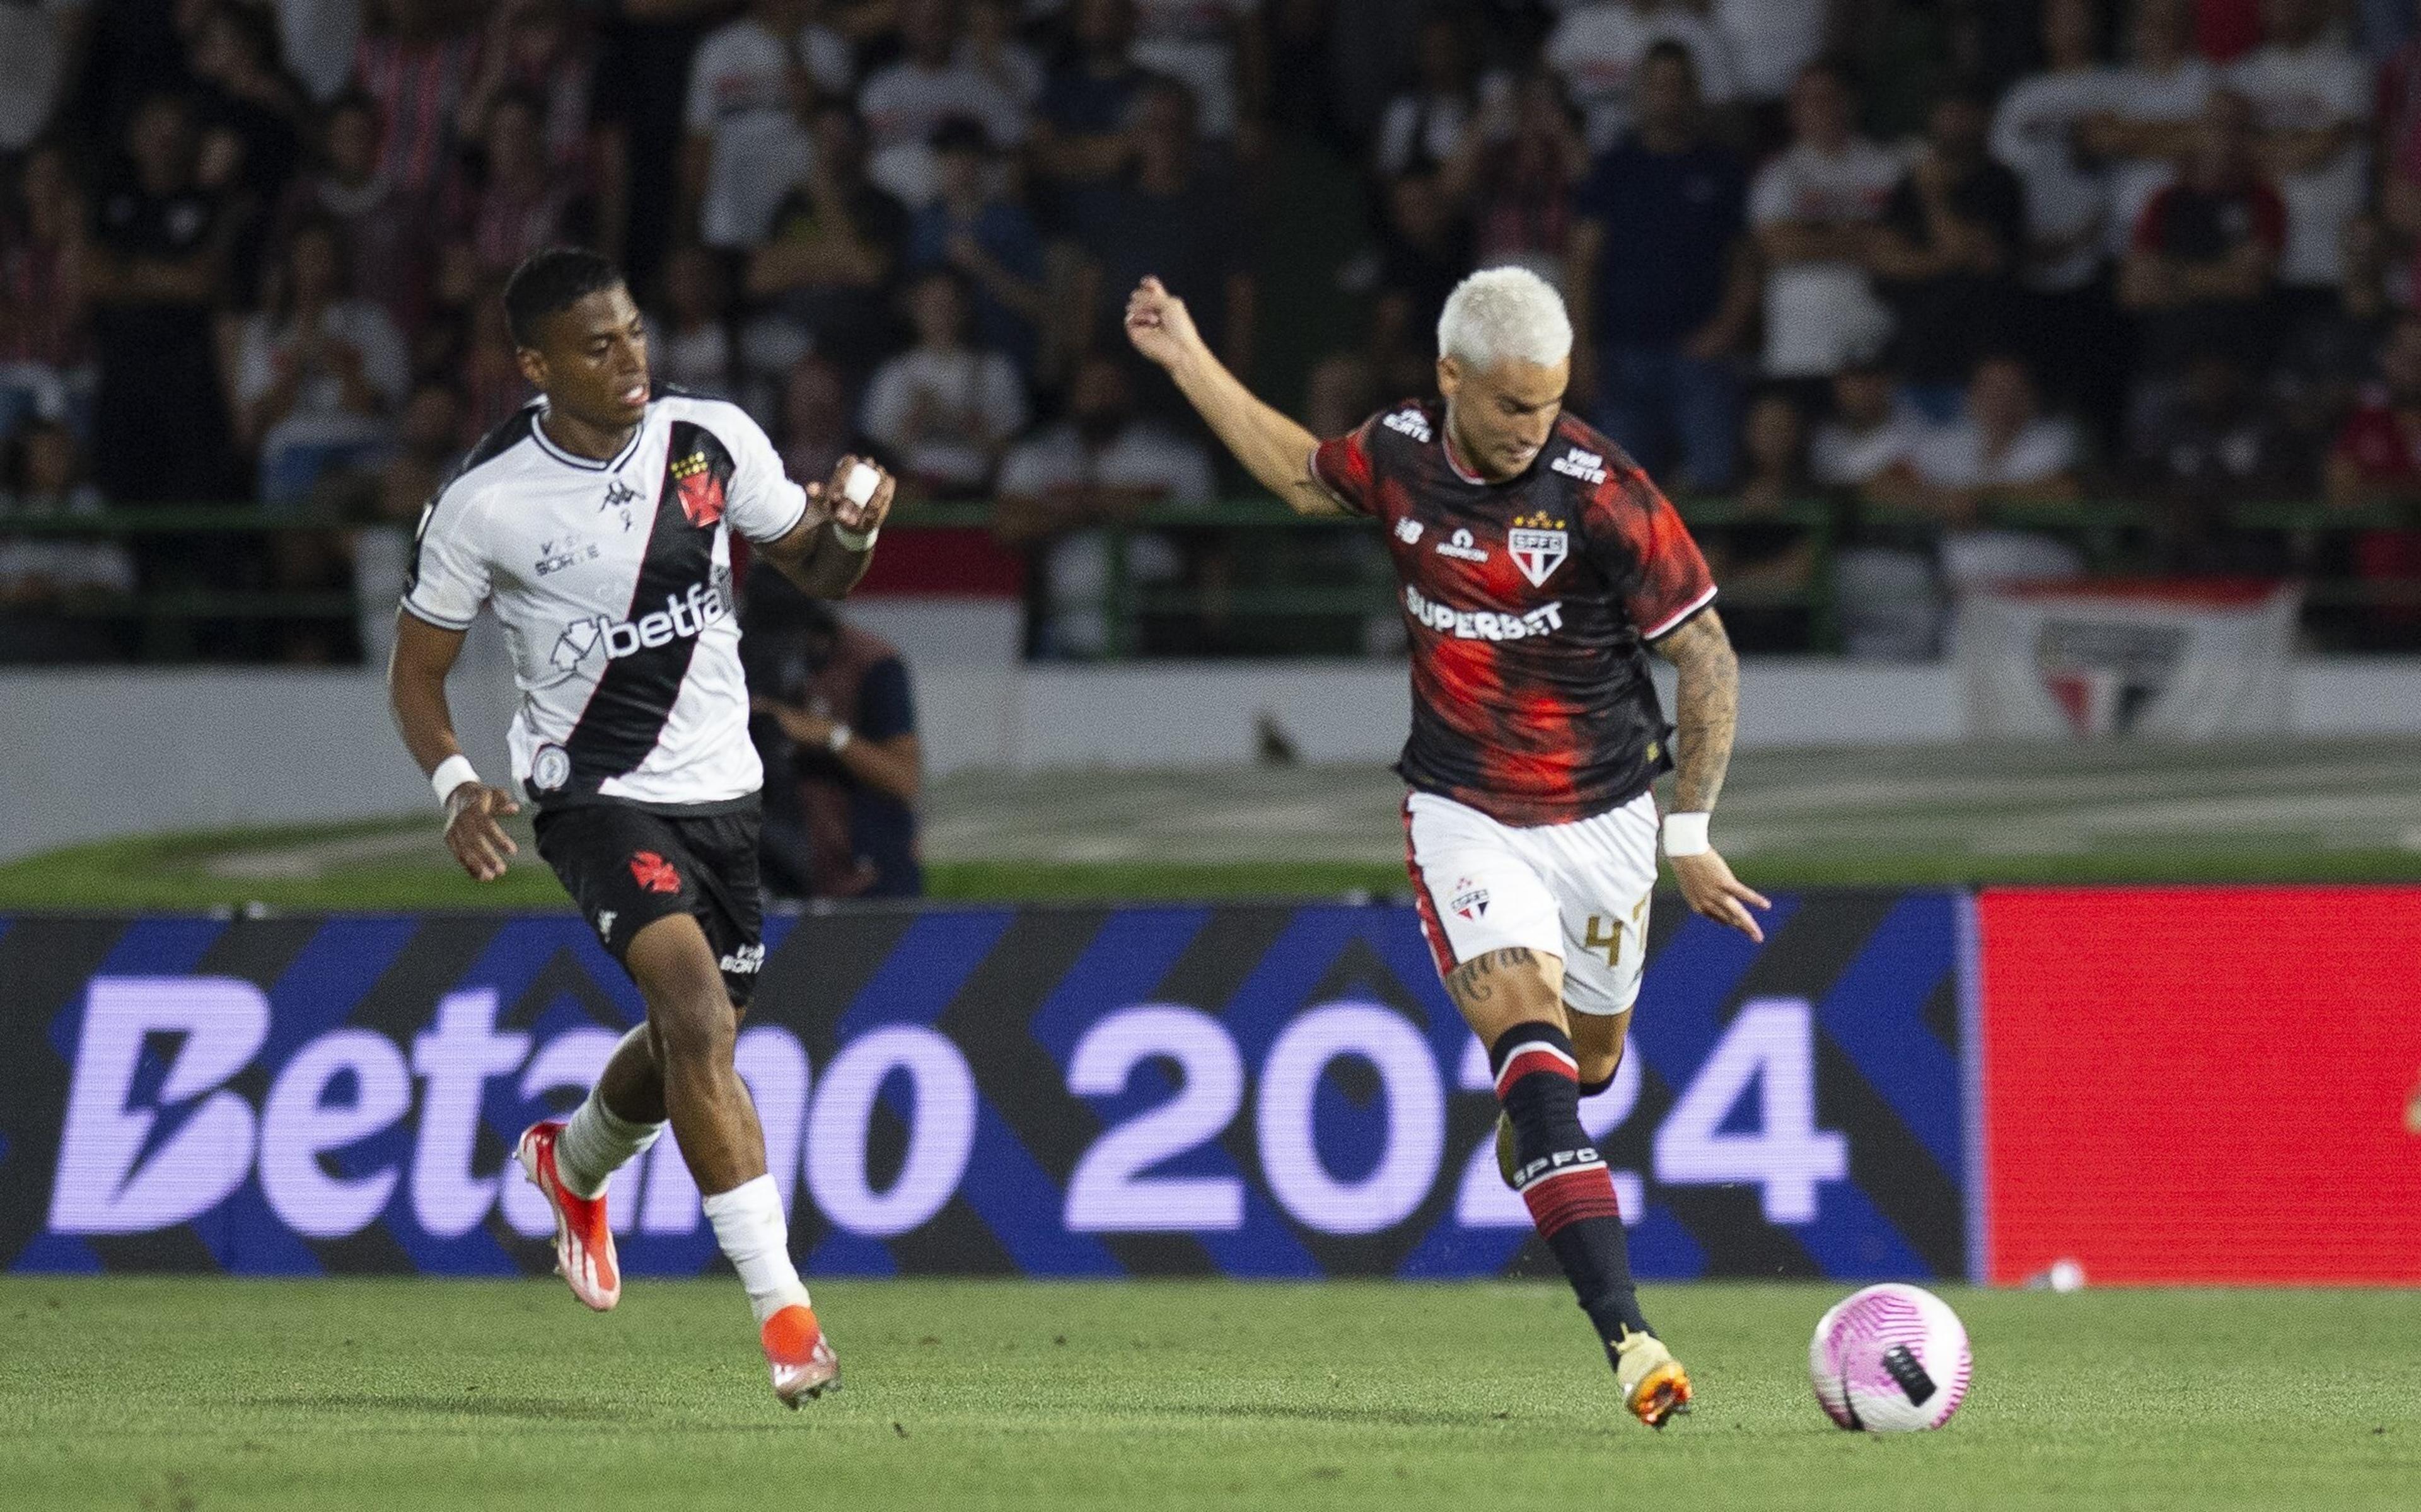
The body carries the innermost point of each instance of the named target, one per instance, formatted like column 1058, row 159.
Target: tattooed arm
column 1707, row 710
column 1707, row 715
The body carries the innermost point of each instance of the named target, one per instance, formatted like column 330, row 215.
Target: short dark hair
column 551, row 281
column 1671, row 50
column 960, row 134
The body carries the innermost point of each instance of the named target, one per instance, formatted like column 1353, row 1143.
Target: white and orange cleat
column 1655, row 1388
column 583, row 1244
column 804, row 1364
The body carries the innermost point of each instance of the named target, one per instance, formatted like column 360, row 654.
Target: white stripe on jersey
column 643, row 701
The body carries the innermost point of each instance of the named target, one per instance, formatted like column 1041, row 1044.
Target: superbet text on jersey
column 612, row 581
column 1529, row 604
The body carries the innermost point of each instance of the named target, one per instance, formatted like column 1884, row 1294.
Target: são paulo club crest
column 1470, row 900
column 1538, row 545
column 701, row 491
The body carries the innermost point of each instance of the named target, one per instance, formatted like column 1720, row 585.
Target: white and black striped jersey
column 613, row 583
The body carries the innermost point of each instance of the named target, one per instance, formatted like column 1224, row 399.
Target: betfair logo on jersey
column 1481, row 624
column 684, row 616
column 1411, row 423
column 1585, row 465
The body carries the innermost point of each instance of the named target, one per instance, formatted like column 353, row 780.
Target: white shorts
column 1578, row 891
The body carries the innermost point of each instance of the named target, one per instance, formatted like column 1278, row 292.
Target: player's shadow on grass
column 1393, row 1417
column 454, row 1404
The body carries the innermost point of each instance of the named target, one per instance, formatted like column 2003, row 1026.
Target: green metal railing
column 1268, row 572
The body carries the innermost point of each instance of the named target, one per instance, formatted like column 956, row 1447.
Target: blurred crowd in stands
column 1948, row 264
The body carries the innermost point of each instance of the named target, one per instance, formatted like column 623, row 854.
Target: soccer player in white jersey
column 596, row 524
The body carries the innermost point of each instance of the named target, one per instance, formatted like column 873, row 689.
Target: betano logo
column 141, row 1151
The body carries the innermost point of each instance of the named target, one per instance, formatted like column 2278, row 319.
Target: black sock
column 1561, row 1178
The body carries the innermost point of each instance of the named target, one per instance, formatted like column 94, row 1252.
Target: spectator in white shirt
column 1597, row 49
column 1869, row 431
column 2004, row 452
column 41, row 478
column 944, row 409
column 992, row 50
column 2034, row 133
column 2313, row 97
column 1216, row 48
column 1771, row 42
column 317, row 372
column 1424, row 123
column 37, row 43
column 691, row 332
column 905, row 102
column 2074, row 334
column 1099, row 466
column 1815, row 210
column 2153, row 120
column 742, row 133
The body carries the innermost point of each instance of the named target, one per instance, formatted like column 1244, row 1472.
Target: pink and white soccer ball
column 1890, row 1359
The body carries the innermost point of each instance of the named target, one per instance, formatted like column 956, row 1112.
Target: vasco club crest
column 701, row 491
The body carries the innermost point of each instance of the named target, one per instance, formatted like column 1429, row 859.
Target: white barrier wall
column 87, row 755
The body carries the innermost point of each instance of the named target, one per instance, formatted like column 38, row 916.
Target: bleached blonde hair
column 1505, row 314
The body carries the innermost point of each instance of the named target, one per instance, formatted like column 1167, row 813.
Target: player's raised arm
column 1707, row 712
column 1275, row 449
column 415, row 686
column 829, row 549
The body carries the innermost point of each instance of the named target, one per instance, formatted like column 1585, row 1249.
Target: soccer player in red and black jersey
column 1538, row 565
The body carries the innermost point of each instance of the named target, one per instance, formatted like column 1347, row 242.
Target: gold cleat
column 1655, row 1388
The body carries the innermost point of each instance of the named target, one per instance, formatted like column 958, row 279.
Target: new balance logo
column 1408, row 423
column 683, row 617
column 1585, row 465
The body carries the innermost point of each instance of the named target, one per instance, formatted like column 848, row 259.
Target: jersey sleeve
column 447, row 580
column 761, row 502
column 1343, row 466
column 1647, row 553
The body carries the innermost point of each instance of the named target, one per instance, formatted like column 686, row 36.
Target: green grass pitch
column 198, row 1394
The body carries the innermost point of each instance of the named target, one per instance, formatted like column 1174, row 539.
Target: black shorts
column 627, row 867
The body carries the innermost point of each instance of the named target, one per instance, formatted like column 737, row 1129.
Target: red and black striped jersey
column 1530, row 603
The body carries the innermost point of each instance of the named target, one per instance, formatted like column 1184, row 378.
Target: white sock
column 596, row 1143
column 755, row 1236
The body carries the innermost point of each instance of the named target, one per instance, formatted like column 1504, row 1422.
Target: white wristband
column 1685, row 834
column 858, row 488
column 451, row 773
column 839, row 740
